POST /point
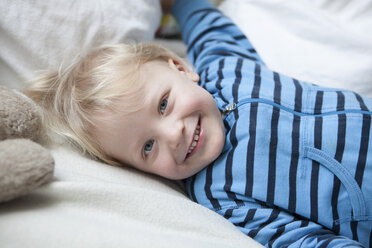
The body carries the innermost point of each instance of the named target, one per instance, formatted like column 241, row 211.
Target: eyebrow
column 155, row 98
column 138, row 149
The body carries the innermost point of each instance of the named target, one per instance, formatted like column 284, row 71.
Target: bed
column 90, row 204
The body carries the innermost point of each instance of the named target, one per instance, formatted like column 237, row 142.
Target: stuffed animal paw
column 24, row 164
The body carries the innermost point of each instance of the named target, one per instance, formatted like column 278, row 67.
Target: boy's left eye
column 148, row 147
column 163, row 105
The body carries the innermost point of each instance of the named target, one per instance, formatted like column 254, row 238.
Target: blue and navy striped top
column 296, row 167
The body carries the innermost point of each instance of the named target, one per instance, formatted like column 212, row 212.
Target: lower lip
column 200, row 140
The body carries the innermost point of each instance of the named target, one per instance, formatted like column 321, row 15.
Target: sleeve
column 273, row 227
column 209, row 35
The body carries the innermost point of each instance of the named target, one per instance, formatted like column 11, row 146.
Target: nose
column 174, row 133
column 174, row 136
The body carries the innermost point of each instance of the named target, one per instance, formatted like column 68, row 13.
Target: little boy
column 295, row 167
column 289, row 163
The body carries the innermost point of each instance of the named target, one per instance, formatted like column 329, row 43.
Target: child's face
column 176, row 133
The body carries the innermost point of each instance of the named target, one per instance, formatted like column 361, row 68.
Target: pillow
column 325, row 42
column 38, row 35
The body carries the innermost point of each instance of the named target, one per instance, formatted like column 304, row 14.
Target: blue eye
column 163, row 105
column 148, row 147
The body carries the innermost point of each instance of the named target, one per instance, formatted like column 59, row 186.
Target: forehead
column 152, row 70
column 119, row 133
column 129, row 92
column 133, row 95
column 154, row 77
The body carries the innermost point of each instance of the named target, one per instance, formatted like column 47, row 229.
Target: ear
column 179, row 66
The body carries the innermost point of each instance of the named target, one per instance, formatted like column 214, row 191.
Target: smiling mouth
column 195, row 140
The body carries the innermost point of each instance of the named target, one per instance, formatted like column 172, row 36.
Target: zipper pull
column 228, row 109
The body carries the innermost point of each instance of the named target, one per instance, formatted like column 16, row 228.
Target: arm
column 209, row 35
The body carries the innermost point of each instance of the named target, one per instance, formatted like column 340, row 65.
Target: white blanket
column 326, row 42
column 90, row 204
column 38, row 35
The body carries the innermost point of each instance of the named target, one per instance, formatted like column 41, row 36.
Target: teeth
column 196, row 138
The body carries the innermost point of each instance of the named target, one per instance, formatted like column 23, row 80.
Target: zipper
column 228, row 109
column 234, row 105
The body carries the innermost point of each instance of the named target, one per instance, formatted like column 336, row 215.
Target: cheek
column 200, row 98
column 163, row 166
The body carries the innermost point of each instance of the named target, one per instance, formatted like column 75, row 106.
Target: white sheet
column 326, row 42
column 37, row 35
column 90, row 204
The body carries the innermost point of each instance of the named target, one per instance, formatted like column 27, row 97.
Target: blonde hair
column 71, row 96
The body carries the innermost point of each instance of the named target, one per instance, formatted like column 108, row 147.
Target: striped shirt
column 296, row 167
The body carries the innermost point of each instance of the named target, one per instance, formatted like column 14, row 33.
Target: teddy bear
column 24, row 163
